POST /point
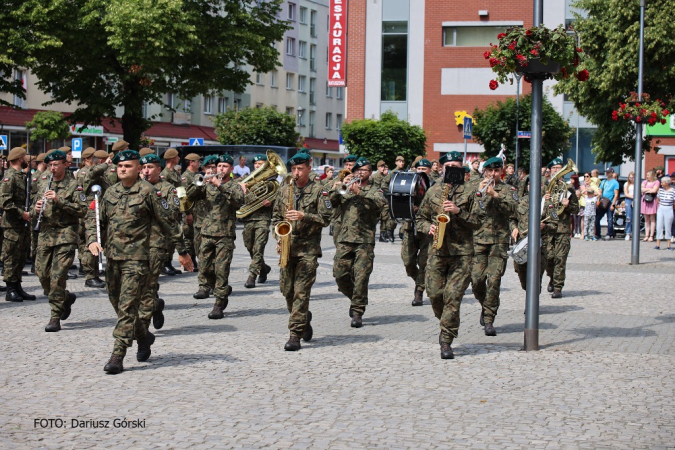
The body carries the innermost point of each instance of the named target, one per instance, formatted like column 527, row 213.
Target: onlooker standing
column 664, row 214
column 241, row 170
column 650, row 188
column 576, row 218
column 327, row 173
column 628, row 188
column 609, row 190
column 589, row 215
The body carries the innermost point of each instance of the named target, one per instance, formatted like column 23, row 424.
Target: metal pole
column 518, row 77
column 534, row 219
column 637, row 197
column 464, row 149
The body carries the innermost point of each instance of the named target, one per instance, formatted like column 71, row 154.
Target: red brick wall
column 356, row 59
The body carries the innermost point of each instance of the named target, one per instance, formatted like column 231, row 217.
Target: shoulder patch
column 159, row 193
column 164, row 204
column 328, row 204
column 6, row 180
column 513, row 188
column 183, row 178
column 83, row 197
column 35, row 180
column 176, row 201
column 112, row 169
column 79, row 188
column 44, row 177
column 515, row 196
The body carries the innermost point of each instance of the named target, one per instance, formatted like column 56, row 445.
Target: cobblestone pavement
column 603, row 378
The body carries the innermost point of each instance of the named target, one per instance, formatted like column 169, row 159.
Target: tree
column 610, row 37
column 107, row 54
column 48, row 125
column 384, row 139
column 495, row 126
column 256, row 126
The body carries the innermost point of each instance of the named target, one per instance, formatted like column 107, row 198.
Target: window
column 338, row 93
column 311, row 124
column 301, row 117
column 259, row 78
column 291, row 11
column 302, row 81
column 259, row 105
column 329, row 91
column 222, row 104
column 208, row 104
column 312, row 23
column 302, row 49
column 329, row 120
column 20, row 75
column 303, row 14
column 312, row 91
column 273, row 78
column 394, row 61
column 144, row 110
column 312, row 58
column 480, row 36
column 290, row 46
column 237, row 104
column 187, row 106
column 289, row 81
column 289, row 111
column 170, row 100
column 338, row 121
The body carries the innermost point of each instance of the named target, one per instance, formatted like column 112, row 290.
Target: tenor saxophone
column 283, row 230
column 442, row 220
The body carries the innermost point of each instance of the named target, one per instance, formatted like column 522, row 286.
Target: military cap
column 102, row 154
column 423, row 163
column 299, row 158
column 41, row 157
column 170, row 153
column 451, row 157
column 16, row 153
column 257, row 158
column 49, row 151
column 211, row 159
column 224, row 158
column 361, row 162
column 493, row 163
column 88, row 152
column 466, row 169
column 351, row 158
column 305, row 150
column 65, row 149
column 193, row 157
column 555, row 162
column 145, row 151
column 126, row 155
column 56, row 155
column 381, row 163
column 120, row 145
column 150, row 159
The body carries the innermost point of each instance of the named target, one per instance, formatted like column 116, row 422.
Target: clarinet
column 44, row 201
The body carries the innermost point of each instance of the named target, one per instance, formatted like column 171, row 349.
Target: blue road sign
column 524, row 134
column 468, row 127
column 3, row 141
column 77, row 148
column 196, row 141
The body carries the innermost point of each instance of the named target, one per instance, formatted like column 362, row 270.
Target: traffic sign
column 77, row 148
column 524, row 135
column 3, row 141
column 468, row 127
column 196, row 141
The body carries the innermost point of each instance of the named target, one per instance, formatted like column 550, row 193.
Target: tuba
column 283, row 230
column 558, row 189
column 261, row 184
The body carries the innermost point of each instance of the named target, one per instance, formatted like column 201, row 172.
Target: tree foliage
column 384, row 139
column 256, row 126
column 106, row 54
column 610, row 36
column 496, row 125
column 48, row 125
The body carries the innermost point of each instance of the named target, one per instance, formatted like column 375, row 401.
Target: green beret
column 211, row 159
column 305, row 150
column 555, row 162
column 225, row 158
column 150, row 159
column 125, row 155
column 299, row 158
column 351, row 158
column 493, row 163
column 451, row 157
column 466, row 169
column 423, row 163
column 361, row 162
column 257, row 158
column 56, row 155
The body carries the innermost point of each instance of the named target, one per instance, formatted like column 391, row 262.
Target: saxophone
column 283, row 230
column 442, row 220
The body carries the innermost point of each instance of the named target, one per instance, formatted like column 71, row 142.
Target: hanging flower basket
column 642, row 110
column 537, row 52
column 146, row 141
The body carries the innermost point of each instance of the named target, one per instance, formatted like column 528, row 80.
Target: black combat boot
column 170, row 266
column 201, row 294
column 168, row 270
column 217, row 311
column 330, row 230
column 143, row 353
column 490, row 330
column 557, row 293
column 263, row 273
column 357, row 321
column 12, row 294
column 250, row 283
column 95, row 282
column 418, row 300
column 114, row 365
column 67, row 305
column 309, row 331
column 53, row 326
column 72, row 276
column 482, row 319
column 293, row 344
column 158, row 315
column 550, row 286
column 382, row 238
column 25, row 295
column 391, row 236
column 81, row 270
column 446, row 351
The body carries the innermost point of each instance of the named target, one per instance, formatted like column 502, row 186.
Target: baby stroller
column 619, row 224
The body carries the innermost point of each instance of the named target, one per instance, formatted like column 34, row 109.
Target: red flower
column 579, row 50
column 663, row 121
column 576, row 61
column 521, row 60
column 626, row 116
column 583, row 75
column 501, row 35
column 528, row 32
column 486, row 55
column 653, row 115
column 652, row 121
column 638, row 119
column 493, row 84
column 643, row 111
column 564, row 73
column 512, row 45
column 494, row 62
column 534, row 52
column 637, row 105
column 615, row 116
column 623, row 105
column 665, row 112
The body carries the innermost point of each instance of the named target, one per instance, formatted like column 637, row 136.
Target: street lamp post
column 518, row 76
column 635, row 245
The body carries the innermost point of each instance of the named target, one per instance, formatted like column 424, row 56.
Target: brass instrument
column 200, row 179
column 341, row 175
column 283, row 230
column 262, row 185
column 557, row 189
column 442, row 220
column 185, row 203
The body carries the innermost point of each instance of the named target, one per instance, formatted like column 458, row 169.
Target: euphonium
column 260, row 186
column 442, row 220
column 557, row 188
column 283, row 231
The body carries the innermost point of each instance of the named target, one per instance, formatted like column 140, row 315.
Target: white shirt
column 241, row 171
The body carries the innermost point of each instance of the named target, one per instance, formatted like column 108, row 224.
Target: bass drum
column 406, row 191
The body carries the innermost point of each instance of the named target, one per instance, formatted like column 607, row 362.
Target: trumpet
column 344, row 187
column 201, row 179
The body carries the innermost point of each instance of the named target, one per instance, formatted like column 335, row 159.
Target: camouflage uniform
column 34, row 191
column 256, row 233
column 355, row 252
column 189, row 230
column 126, row 217
column 520, row 221
column 414, row 253
column 448, row 270
column 491, row 244
column 111, row 174
column 199, row 210
column 218, row 233
column 556, row 238
column 58, row 240
column 388, row 222
column 16, row 241
column 173, row 178
column 297, row 279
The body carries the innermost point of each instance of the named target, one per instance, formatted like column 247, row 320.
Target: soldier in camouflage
column 223, row 198
column 308, row 210
column 377, row 181
column 256, row 233
column 127, row 212
column 497, row 205
column 337, row 218
column 449, row 268
column 360, row 209
column 37, row 174
column 60, row 209
column 171, row 175
column 15, row 224
column 199, row 211
column 193, row 161
column 556, row 233
column 475, row 169
column 390, row 225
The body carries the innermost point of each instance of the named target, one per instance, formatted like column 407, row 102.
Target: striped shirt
column 666, row 198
